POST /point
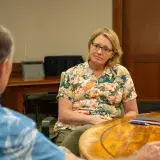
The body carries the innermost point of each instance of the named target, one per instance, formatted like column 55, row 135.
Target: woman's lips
column 98, row 58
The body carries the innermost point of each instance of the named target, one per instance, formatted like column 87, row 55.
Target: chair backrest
column 48, row 122
column 55, row 65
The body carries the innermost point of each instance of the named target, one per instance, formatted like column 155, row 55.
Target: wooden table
column 13, row 97
column 116, row 138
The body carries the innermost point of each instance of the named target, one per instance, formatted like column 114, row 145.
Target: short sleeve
column 129, row 92
column 21, row 140
column 66, row 87
column 35, row 145
column 45, row 149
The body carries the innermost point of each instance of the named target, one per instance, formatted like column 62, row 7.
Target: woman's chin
column 97, row 61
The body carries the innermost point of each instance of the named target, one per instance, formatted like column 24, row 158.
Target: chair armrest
column 47, row 123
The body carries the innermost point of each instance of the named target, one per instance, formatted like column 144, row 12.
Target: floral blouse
column 101, row 96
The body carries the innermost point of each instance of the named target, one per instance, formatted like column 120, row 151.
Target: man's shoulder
column 15, row 127
column 10, row 117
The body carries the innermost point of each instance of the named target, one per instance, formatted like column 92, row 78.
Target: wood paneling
column 140, row 27
column 147, row 80
column 118, row 18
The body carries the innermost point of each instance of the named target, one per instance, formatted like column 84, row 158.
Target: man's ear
column 3, row 66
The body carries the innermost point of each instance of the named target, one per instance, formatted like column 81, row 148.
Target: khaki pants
column 70, row 138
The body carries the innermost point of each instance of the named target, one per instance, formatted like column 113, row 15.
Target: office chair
column 34, row 70
column 48, row 123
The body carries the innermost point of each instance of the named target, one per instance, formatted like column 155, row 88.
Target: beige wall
column 53, row 27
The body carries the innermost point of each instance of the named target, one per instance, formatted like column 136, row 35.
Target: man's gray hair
column 6, row 43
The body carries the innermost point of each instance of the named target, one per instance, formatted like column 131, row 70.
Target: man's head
column 6, row 55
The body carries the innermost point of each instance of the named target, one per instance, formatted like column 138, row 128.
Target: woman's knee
column 79, row 130
column 61, row 136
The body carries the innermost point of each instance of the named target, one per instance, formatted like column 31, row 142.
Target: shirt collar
column 88, row 70
column 107, row 71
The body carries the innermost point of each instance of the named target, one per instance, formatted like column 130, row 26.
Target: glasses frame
column 102, row 48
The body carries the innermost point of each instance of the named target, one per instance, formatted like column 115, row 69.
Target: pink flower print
column 112, row 98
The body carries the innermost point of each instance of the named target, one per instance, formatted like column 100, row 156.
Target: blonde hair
column 6, row 43
column 112, row 36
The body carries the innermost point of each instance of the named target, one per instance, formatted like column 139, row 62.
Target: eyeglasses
column 104, row 49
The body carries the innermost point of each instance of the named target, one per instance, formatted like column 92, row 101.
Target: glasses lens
column 96, row 46
column 104, row 49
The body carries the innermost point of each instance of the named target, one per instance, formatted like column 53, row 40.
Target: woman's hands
column 67, row 115
column 97, row 120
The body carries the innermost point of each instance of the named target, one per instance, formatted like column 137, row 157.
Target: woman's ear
column 113, row 54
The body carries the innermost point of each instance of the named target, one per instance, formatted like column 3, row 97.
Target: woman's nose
column 99, row 51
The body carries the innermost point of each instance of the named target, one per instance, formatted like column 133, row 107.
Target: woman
column 95, row 91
